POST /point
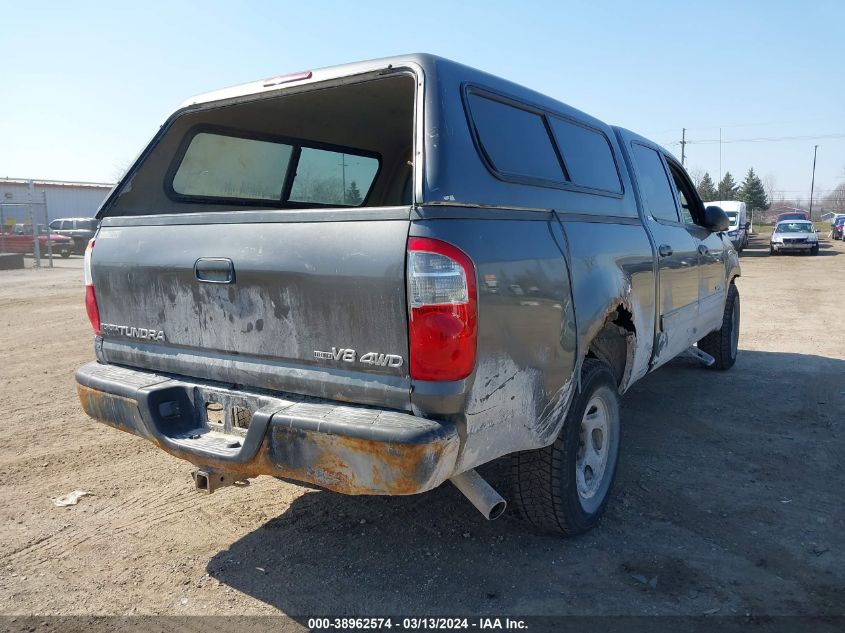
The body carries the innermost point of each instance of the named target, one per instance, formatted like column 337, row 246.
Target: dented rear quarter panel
column 526, row 352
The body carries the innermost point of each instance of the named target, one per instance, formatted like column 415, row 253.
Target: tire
column 772, row 251
column 723, row 343
column 65, row 254
column 814, row 250
column 547, row 489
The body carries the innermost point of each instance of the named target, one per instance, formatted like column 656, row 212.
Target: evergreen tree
column 706, row 188
column 352, row 196
column 752, row 192
column 727, row 188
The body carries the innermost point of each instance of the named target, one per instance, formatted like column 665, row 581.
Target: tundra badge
column 351, row 356
column 133, row 332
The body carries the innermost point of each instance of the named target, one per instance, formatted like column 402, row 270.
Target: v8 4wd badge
column 351, row 356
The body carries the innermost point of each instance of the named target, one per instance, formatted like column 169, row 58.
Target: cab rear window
column 226, row 165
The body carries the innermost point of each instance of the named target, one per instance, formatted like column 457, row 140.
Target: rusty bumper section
column 349, row 449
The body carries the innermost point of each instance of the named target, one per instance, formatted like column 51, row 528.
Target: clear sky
column 84, row 85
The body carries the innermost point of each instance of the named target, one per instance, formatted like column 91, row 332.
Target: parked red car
column 18, row 239
column 792, row 215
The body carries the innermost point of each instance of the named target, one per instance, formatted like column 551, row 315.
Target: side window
column 587, row 155
column 654, row 184
column 515, row 141
column 55, row 225
column 690, row 211
column 332, row 178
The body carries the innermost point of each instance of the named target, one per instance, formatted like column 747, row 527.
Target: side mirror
column 715, row 219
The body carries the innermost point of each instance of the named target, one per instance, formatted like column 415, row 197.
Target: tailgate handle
column 215, row 270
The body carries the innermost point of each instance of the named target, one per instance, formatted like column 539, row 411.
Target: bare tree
column 835, row 200
column 696, row 174
column 770, row 181
column 119, row 169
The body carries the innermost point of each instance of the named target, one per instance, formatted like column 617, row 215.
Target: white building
column 51, row 199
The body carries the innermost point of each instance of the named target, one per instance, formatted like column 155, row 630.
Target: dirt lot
column 730, row 492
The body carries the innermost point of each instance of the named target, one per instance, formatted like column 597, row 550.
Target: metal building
column 50, row 199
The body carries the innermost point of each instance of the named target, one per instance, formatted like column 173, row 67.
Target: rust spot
column 344, row 464
column 359, row 466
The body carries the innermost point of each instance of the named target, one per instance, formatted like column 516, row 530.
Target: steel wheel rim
column 594, row 447
column 735, row 330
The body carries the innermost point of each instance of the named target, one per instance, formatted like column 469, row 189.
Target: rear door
column 677, row 254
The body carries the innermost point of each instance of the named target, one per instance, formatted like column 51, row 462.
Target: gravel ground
column 728, row 500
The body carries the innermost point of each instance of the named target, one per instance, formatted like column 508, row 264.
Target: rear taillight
column 90, row 296
column 443, row 310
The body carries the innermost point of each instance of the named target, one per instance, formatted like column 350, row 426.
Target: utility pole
column 720, row 154
column 813, row 180
column 683, row 144
column 343, row 166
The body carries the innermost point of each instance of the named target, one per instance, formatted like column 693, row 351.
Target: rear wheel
column 564, row 488
column 723, row 344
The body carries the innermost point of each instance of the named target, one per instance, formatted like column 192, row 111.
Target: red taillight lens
column 91, row 308
column 90, row 296
column 442, row 299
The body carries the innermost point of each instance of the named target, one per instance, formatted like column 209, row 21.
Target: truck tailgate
column 316, row 308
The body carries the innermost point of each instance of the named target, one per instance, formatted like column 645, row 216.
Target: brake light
column 442, row 328
column 283, row 79
column 90, row 296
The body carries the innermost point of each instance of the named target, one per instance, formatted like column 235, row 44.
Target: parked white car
column 794, row 236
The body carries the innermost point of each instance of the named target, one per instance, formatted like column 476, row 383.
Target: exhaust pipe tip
column 480, row 494
column 497, row 510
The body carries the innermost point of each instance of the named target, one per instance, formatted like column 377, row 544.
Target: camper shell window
column 522, row 143
column 222, row 164
column 336, row 144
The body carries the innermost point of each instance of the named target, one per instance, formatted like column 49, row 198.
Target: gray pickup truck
column 377, row 277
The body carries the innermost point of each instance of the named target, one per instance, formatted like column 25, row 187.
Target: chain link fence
column 25, row 230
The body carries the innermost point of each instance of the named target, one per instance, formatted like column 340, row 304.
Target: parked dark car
column 837, row 228
column 377, row 277
column 80, row 230
column 19, row 239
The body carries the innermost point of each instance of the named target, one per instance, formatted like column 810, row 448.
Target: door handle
column 215, row 270
column 702, row 249
column 664, row 250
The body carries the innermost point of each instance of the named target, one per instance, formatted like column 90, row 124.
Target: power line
column 768, row 139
